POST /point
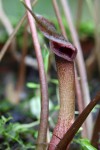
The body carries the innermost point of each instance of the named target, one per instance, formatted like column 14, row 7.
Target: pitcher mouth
column 66, row 51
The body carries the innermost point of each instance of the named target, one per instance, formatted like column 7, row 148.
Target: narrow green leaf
column 45, row 54
column 55, row 81
column 33, row 85
column 85, row 144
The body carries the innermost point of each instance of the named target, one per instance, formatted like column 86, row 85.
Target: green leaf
column 45, row 54
column 86, row 28
column 85, row 144
column 4, row 119
column 24, row 127
column 96, row 108
column 55, row 81
column 33, row 85
column 35, row 106
column 10, row 132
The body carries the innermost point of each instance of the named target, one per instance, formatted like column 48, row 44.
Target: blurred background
column 19, row 76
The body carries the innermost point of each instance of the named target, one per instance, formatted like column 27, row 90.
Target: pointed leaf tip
column 58, row 44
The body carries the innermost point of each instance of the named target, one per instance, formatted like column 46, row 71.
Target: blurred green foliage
column 84, row 144
column 13, row 133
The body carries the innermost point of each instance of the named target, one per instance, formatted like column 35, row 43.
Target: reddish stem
column 80, row 101
column 79, row 13
column 44, row 88
column 22, row 69
column 96, row 133
column 59, row 18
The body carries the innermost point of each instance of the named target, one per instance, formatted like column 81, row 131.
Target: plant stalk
column 42, row 134
column 96, row 132
column 59, row 18
column 66, row 77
